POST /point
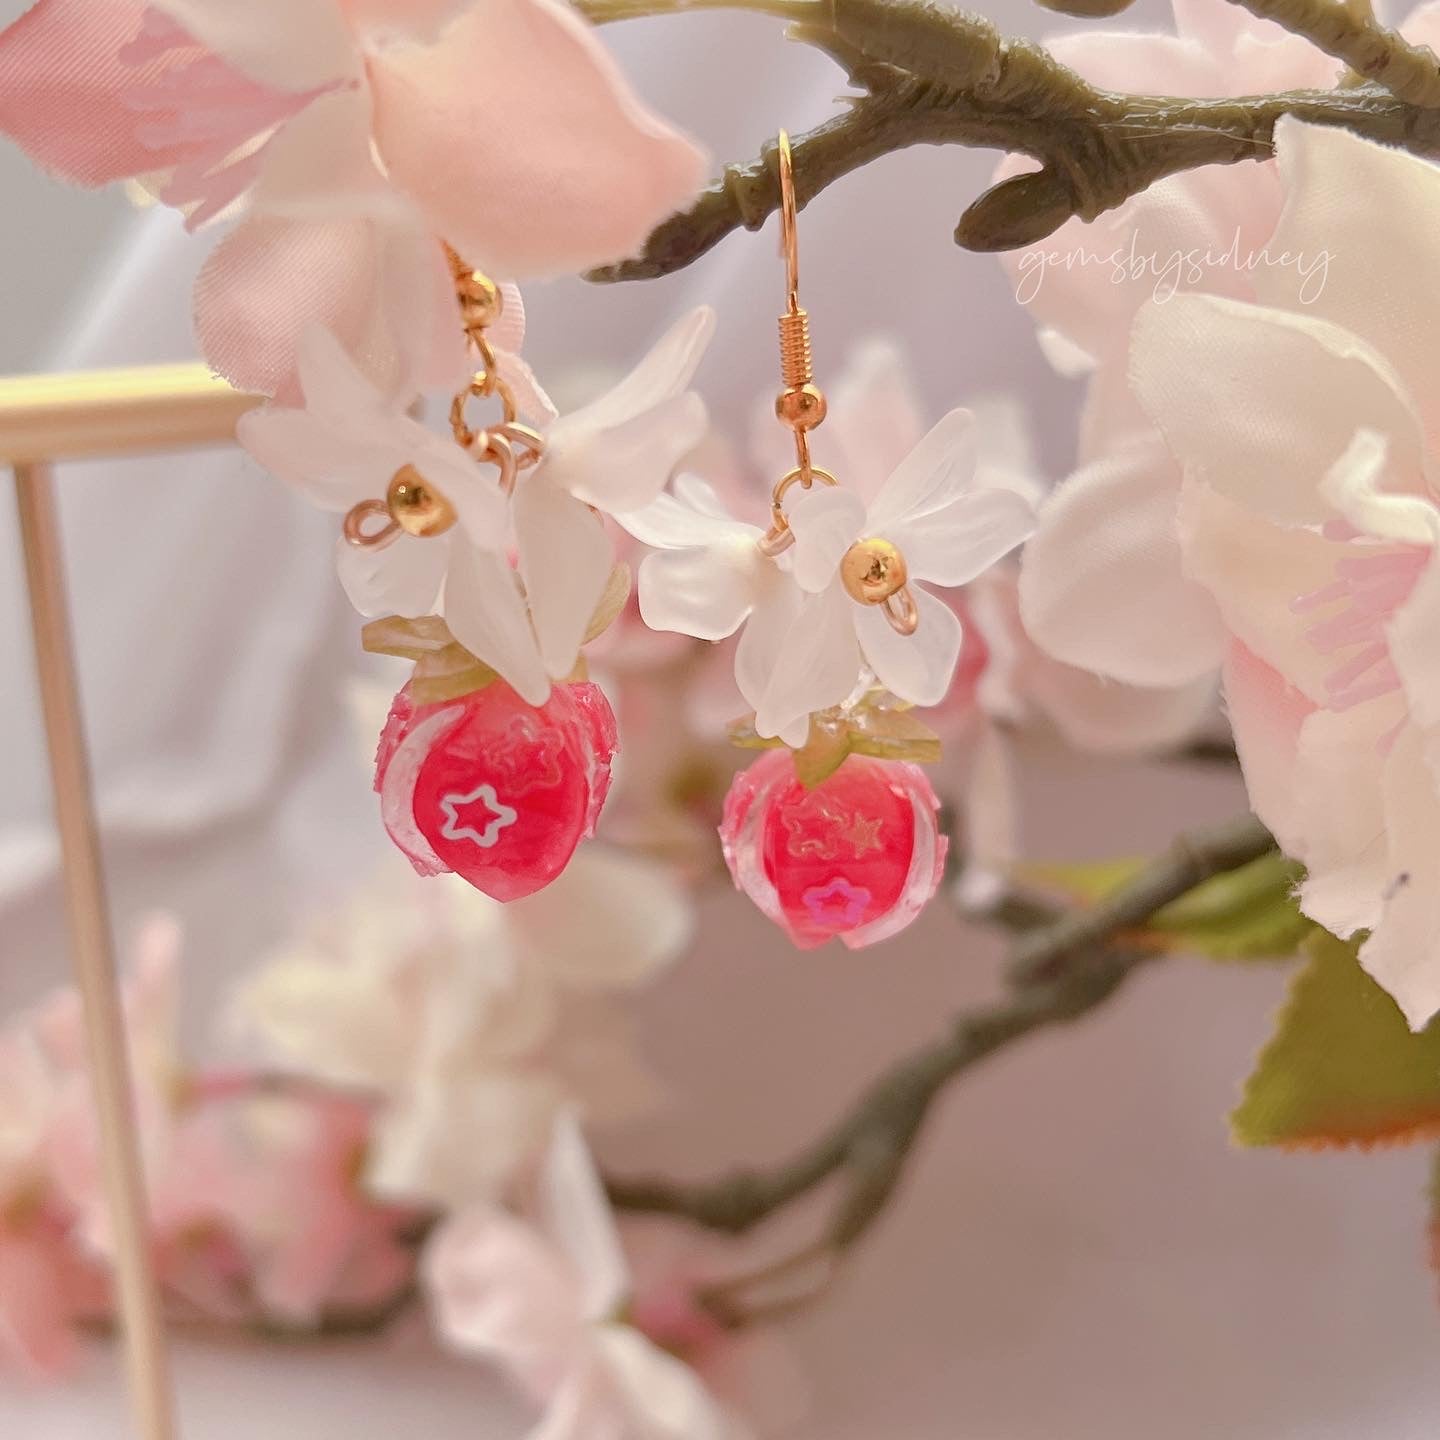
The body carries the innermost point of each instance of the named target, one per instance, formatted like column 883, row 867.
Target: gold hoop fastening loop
column 779, row 537
column 900, row 610
column 485, row 383
column 357, row 519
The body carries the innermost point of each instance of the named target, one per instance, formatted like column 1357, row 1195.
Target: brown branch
column 931, row 75
column 1063, row 971
column 1190, row 861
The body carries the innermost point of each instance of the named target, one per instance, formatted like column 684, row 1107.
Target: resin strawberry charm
column 476, row 781
column 855, row 857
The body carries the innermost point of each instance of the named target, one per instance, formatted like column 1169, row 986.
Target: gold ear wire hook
column 873, row 570
column 789, row 228
column 801, row 404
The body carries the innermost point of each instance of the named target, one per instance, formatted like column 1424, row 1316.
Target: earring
column 833, row 832
column 486, row 557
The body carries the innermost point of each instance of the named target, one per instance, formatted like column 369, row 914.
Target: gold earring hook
column 874, row 571
column 789, row 228
column 801, row 404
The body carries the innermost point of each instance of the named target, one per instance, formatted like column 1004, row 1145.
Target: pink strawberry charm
column 856, row 857
column 497, row 791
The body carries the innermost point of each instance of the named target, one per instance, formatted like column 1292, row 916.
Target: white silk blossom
column 349, row 441
column 806, row 645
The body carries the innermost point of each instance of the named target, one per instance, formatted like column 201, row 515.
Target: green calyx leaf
column 1342, row 1069
column 1244, row 914
column 446, row 670
column 882, row 732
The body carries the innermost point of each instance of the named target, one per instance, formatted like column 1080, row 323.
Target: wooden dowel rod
column 115, row 412
column 94, row 960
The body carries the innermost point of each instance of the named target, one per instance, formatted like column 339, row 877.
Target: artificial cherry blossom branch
column 1058, row 973
column 931, row 75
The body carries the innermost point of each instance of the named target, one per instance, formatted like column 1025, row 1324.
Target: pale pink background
column 1077, row 1254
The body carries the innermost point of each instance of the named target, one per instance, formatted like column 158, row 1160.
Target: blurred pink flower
column 51, row 1205
column 545, row 1302
column 469, row 1023
column 257, row 1210
column 260, row 1213
column 150, row 998
column 357, row 135
column 46, row 1283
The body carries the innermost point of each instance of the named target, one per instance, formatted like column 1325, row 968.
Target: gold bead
column 417, row 507
column 872, row 570
column 802, row 407
column 480, row 299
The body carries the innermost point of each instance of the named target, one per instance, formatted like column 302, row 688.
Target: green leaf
column 1245, row 914
column 1343, row 1068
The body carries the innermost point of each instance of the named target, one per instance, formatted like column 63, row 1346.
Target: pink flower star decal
column 838, row 904
column 495, row 815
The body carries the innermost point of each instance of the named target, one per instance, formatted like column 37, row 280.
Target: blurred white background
column 1077, row 1255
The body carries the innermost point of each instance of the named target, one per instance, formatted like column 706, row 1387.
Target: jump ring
column 354, row 525
column 902, row 612
column 779, row 537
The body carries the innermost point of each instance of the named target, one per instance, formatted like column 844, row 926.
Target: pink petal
column 63, row 89
column 577, row 1218
column 1377, row 305
column 1261, row 402
column 1339, row 812
column 1108, row 718
column 1266, row 714
column 524, row 145
column 875, row 421
column 1101, row 585
column 412, row 19
column 497, row 1289
column 1403, row 952
column 273, row 278
column 290, row 44
column 1160, row 64
column 649, row 920
column 1412, row 633
column 1422, row 25
column 1254, row 56
column 35, row 1313
column 1087, row 280
column 1255, row 571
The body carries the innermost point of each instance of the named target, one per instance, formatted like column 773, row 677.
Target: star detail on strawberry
column 479, row 815
column 837, row 904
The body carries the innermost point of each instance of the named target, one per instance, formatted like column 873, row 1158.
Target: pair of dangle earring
column 487, row 557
